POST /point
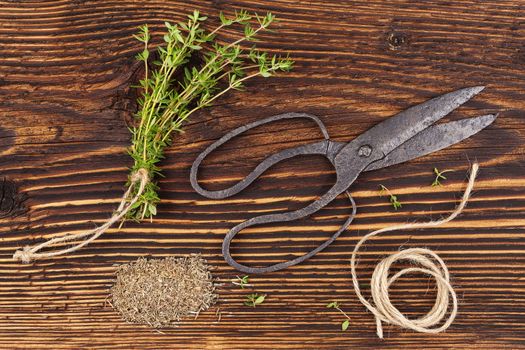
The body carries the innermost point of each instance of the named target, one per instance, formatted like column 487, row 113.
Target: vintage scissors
column 407, row 135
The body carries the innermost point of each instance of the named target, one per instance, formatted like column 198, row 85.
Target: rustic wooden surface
column 65, row 73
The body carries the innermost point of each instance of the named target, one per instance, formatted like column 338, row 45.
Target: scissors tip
column 490, row 118
column 474, row 90
column 477, row 124
column 455, row 99
column 479, row 87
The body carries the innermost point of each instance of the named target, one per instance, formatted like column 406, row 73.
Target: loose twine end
column 24, row 255
column 426, row 262
column 28, row 253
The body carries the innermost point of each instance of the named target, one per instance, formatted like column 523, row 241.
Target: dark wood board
column 66, row 70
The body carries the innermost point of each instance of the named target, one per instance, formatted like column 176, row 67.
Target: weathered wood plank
column 65, row 99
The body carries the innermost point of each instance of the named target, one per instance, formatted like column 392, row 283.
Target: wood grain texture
column 66, row 67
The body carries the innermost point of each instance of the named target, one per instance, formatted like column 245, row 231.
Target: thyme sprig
column 393, row 199
column 337, row 306
column 439, row 176
column 254, row 299
column 166, row 103
column 242, row 282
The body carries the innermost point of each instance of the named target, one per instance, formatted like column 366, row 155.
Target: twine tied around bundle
column 28, row 253
column 427, row 262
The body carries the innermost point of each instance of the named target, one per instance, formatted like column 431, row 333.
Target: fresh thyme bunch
column 166, row 103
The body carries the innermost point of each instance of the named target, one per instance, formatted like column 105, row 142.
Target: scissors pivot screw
column 364, row 151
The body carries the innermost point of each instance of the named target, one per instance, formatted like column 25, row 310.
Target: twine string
column 28, row 253
column 427, row 262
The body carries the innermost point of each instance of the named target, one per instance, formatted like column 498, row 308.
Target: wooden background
column 66, row 67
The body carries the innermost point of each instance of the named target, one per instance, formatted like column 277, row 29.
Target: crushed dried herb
column 162, row 292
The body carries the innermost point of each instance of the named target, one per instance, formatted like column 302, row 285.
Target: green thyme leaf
column 254, row 299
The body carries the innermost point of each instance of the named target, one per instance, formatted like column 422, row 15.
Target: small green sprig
column 393, row 199
column 254, row 299
column 242, row 282
column 166, row 102
column 439, row 176
column 337, row 306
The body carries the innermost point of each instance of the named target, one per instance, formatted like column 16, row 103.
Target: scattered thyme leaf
column 439, row 176
column 337, row 306
column 393, row 199
column 241, row 281
column 333, row 305
column 254, row 299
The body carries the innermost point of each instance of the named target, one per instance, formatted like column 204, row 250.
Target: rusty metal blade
column 395, row 131
column 433, row 139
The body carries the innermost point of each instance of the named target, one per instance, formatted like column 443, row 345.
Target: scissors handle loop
column 264, row 219
column 315, row 148
column 326, row 147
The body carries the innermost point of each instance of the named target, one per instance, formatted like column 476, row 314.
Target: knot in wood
column 396, row 40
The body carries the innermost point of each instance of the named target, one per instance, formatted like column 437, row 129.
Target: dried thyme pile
column 161, row 292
